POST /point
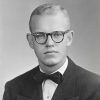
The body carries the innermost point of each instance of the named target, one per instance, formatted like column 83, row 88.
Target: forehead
column 50, row 22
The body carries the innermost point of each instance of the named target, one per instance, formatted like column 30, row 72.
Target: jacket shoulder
column 86, row 76
column 23, row 78
column 83, row 74
column 88, row 84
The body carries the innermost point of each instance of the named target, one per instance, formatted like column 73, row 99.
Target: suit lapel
column 58, row 93
column 20, row 97
column 37, row 95
column 31, row 90
column 37, row 89
column 67, row 89
column 31, row 93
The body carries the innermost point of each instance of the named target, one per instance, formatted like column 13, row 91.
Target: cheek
column 63, row 50
column 38, row 53
column 38, row 50
column 63, row 47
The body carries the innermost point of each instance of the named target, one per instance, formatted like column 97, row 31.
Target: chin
column 51, row 62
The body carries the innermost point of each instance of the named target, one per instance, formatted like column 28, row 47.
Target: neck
column 50, row 69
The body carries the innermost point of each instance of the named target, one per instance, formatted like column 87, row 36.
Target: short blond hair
column 48, row 9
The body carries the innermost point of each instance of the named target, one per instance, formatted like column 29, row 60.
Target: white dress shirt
column 48, row 86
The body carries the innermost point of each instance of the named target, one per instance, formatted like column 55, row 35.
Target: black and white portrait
column 37, row 40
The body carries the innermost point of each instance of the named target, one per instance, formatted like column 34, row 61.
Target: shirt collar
column 61, row 69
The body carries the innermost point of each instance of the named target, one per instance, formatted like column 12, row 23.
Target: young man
column 56, row 77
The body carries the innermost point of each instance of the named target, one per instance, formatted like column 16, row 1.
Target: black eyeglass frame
column 47, row 34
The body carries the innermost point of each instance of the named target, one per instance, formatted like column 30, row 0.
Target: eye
column 57, row 33
column 39, row 35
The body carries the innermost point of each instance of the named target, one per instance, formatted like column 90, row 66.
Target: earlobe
column 69, row 38
column 72, row 32
column 30, row 40
column 27, row 36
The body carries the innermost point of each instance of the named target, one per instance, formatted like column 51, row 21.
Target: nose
column 49, row 42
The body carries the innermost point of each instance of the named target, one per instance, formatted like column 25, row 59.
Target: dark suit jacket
column 78, row 84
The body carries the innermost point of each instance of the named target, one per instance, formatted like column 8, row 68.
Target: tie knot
column 56, row 77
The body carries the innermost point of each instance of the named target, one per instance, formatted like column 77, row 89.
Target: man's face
column 50, row 53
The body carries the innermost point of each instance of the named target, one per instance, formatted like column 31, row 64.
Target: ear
column 70, row 37
column 30, row 40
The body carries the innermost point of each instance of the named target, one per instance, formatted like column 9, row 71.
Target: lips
column 50, row 52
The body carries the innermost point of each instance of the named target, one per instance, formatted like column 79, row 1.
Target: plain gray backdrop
column 16, row 57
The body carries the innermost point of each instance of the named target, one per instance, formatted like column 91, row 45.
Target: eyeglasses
column 57, row 36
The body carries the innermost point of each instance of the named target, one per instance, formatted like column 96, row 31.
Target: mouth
column 50, row 52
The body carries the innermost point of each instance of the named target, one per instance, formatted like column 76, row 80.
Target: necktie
column 56, row 77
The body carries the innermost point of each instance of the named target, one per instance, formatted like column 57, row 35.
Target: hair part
column 48, row 9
